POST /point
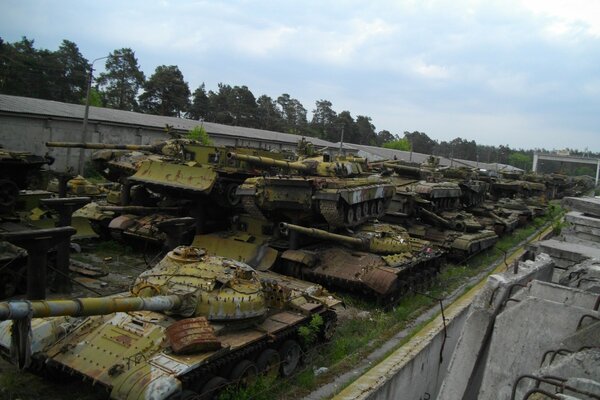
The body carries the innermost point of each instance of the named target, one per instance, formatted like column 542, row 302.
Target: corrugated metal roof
column 26, row 105
column 380, row 153
column 49, row 108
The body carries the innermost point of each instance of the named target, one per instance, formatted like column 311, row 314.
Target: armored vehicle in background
column 380, row 261
column 180, row 166
column 20, row 170
column 433, row 211
column 189, row 326
column 321, row 190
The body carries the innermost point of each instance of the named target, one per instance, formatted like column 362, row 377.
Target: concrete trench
column 497, row 332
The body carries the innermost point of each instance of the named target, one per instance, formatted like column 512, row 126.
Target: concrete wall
column 30, row 133
column 421, row 377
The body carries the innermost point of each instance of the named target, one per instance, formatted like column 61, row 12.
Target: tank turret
column 317, row 166
column 379, row 260
column 374, row 243
column 318, row 189
column 188, row 327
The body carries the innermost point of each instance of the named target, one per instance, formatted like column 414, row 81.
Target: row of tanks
column 257, row 226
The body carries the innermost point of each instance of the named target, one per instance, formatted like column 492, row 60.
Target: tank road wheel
column 366, row 209
column 350, row 215
column 244, row 373
column 373, row 208
column 212, row 389
column 232, row 199
column 290, row 357
column 8, row 193
column 268, row 364
column 358, row 212
column 380, row 209
column 329, row 327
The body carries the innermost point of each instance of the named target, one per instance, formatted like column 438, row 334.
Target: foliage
column 521, row 160
column 199, row 134
column 62, row 75
column 53, row 75
column 165, row 92
column 398, row 144
column 309, row 333
column 122, row 80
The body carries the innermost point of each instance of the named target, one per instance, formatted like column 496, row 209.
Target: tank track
column 341, row 215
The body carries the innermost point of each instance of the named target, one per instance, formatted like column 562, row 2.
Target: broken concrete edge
column 586, row 205
column 376, row 376
column 475, row 336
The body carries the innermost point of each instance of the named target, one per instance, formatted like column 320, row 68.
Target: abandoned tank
column 189, row 326
column 181, row 166
column 434, row 211
column 320, row 190
column 378, row 260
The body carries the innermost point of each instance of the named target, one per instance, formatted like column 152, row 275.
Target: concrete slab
column 579, row 368
column 471, row 349
column 573, row 252
column 560, row 294
column 586, row 205
column 578, row 218
column 521, row 335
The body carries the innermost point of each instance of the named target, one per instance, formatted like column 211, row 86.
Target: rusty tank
column 181, row 167
column 433, row 211
column 320, row 189
column 189, row 327
column 20, row 170
column 381, row 261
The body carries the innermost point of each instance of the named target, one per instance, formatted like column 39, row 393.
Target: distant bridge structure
column 567, row 158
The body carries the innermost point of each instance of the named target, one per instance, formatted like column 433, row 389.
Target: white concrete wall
column 30, row 133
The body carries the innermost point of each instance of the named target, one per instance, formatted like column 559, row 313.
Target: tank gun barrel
column 269, row 162
column 405, row 169
column 436, row 219
column 86, row 306
column 321, row 234
column 140, row 210
column 104, row 146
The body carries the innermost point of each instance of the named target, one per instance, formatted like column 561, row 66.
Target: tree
column 72, row 78
column 293, row 113
column 268, row 115
column 365, row 130
column 122, row 80
column 398, row 144
column 323, row 120
column 346, row 123
column 384, row 136
column 520, row 160
column 421, row 143
column 242, row 104
column 200, row 108
column 165, row 93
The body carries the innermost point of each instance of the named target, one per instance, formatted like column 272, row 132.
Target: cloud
column 567, row 18
column 430, row 71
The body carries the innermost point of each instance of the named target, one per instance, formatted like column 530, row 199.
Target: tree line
column 62, row 75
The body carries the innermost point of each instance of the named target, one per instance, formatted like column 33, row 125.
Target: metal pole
column 87, row 110
column 597, row 171
column 342, row 142
column 85, row 118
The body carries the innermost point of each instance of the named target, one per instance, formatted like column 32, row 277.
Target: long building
column 27, row 124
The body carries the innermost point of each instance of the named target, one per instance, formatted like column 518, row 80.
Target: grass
column 357, row 338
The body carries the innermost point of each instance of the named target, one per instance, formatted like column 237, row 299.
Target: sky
column 523, row 73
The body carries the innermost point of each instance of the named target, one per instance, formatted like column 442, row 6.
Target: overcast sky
column 520, row 72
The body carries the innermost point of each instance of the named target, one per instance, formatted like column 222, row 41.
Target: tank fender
column 301, row 257
column 145, row 381
column 44, row 332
